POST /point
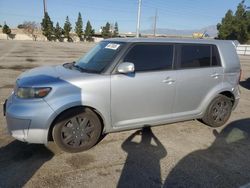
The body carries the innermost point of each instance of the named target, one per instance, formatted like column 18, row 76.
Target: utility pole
column 44, row 7
column 155, row 20
column 138, row 19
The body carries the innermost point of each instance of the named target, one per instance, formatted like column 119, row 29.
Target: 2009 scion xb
column 125, row 84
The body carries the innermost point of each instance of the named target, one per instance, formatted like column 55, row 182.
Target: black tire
column 218, row 111
column 77, row 130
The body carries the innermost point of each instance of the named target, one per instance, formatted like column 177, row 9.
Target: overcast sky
column 173, row 14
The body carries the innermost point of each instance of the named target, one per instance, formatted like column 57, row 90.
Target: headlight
column 27, row 93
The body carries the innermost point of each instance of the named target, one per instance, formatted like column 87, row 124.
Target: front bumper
column 28, row 120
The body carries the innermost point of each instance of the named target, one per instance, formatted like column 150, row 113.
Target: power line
column 40, row 17
column 184, row 10
column 100, row 9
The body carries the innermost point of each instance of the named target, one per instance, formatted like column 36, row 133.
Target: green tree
column 89, row 32
column 20, row 26
column 47, row 27
column 241, row 23
column 67, row 28
column 116, row 30
column 6, row 29
column 0, row 25
column 79, row 26
column 58, row 32
column 248, row 23
column 106, row 33
column 235, row 26
column 226, row 28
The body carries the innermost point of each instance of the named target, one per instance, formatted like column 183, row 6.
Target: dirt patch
column 22, row 51
column 19, row 161
column 30, row 60
column 103, row 174
column 54, row 148
column 67, row 51
column 37, row 55
column 80, row 160
column 18, row 67
column 108, row 141
column 8, row 86
column 50, row 181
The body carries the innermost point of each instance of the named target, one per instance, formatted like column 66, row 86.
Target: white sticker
column 112, row 46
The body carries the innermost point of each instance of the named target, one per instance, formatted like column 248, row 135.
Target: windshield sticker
column 112, row 46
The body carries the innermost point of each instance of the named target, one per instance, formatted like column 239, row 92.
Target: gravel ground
column 186, row 154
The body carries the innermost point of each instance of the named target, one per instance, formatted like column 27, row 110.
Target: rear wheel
column 218, row 112
column 77, row 130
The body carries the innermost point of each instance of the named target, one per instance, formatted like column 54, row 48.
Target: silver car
column 125, row 84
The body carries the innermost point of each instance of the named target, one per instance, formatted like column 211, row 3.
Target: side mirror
column 126, row 67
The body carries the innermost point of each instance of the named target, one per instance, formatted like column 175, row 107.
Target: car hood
column 49, row 75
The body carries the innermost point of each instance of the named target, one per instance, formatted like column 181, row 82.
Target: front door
column 146, row 96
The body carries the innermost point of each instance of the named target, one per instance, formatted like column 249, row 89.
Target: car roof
column 169, row 40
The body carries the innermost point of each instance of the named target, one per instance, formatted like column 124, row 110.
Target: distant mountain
column 210, row 30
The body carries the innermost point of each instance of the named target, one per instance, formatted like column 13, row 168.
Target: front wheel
column 218, row 111
column 77, row 130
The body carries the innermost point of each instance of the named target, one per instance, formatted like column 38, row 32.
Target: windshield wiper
column 78, row 67
column 82, row 69
column 68, row 65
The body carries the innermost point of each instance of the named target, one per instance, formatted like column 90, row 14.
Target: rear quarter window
column 215, row 56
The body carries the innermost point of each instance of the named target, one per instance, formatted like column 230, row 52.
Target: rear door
column 147, row 95
column 198, row 73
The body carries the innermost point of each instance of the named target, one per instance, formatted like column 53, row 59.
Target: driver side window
column 151, row 57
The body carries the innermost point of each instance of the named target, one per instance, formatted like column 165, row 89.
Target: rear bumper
column 236, row 102
column 236, row 97
column 28, row 120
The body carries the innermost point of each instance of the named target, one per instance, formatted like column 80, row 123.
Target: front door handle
column 168, row 80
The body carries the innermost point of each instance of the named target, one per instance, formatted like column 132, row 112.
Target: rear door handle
column 168, row 80
column 215, row 75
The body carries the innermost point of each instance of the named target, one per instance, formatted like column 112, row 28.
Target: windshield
column 99, row 57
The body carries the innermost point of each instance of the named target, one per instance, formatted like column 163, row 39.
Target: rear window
column 195, row 56
column 151, row 57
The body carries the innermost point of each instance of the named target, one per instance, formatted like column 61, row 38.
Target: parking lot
column 185, row 154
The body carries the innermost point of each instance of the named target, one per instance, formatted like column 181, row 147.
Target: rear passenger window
column 215, row 57
column 149, row 57
column 195, row 56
